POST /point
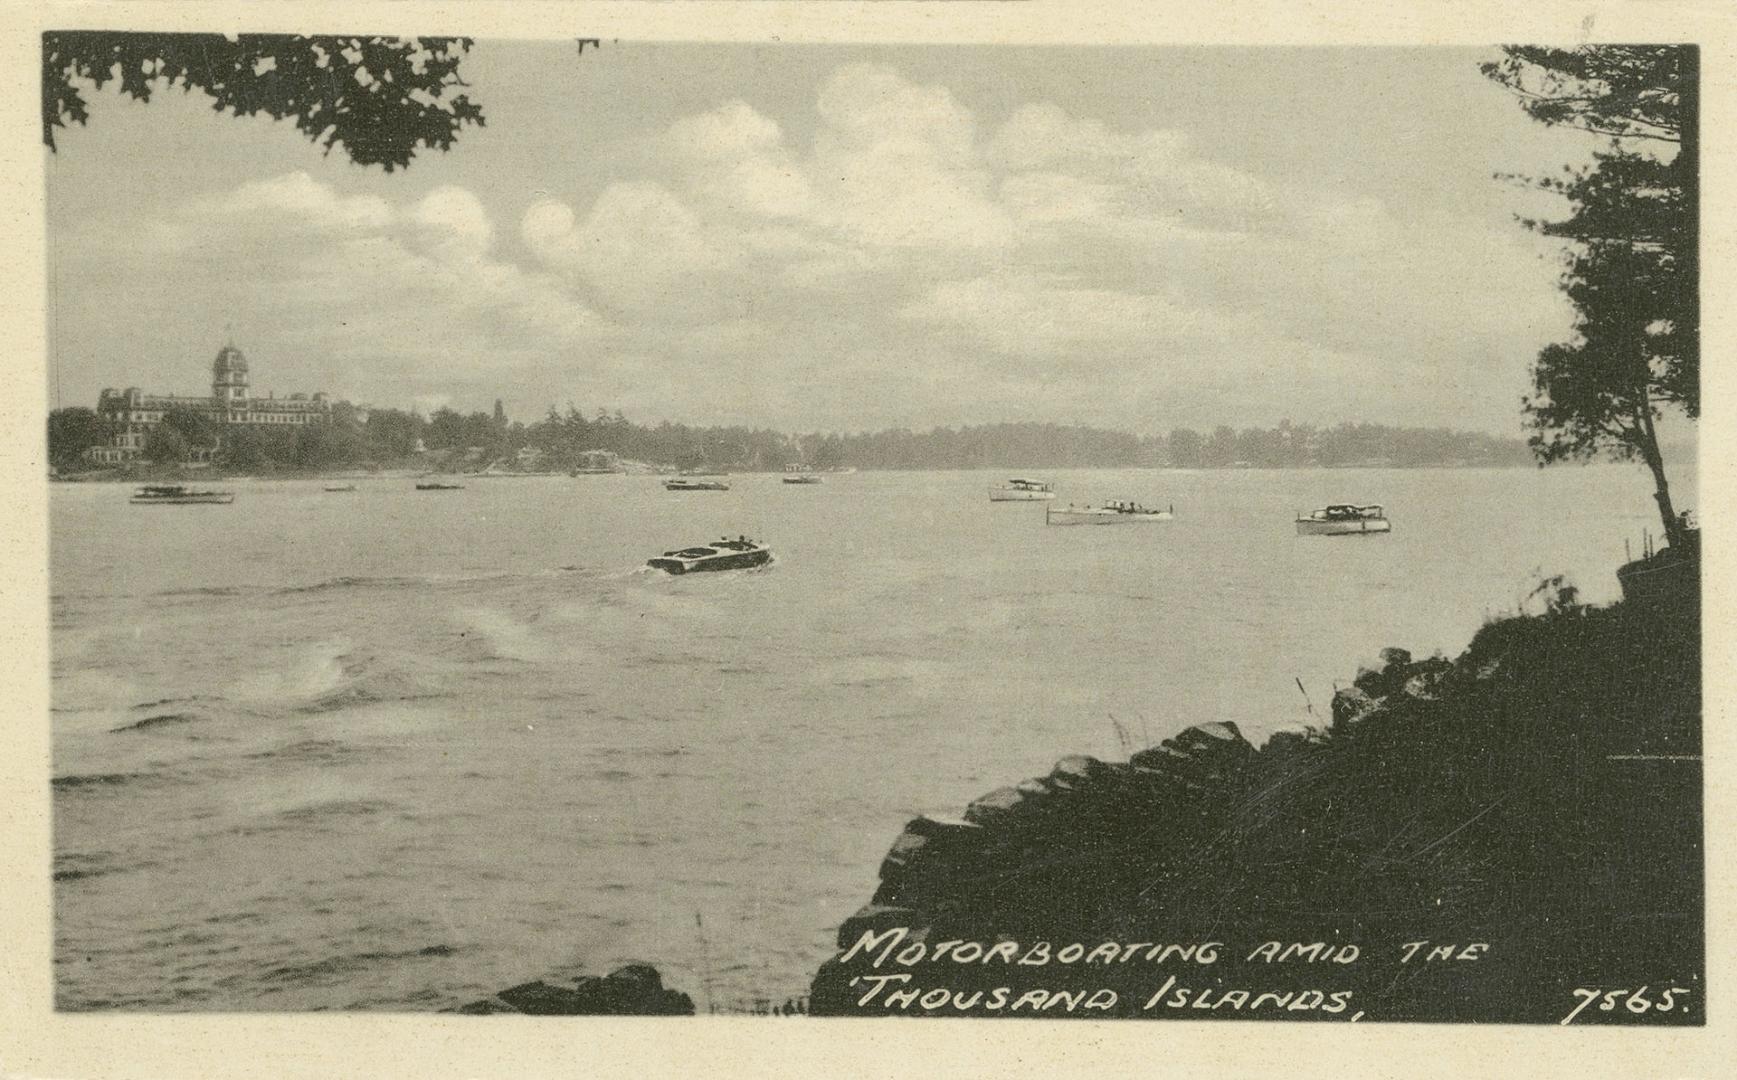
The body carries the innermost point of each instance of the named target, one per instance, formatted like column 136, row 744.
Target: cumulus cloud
column 736, row 158
column 365, row 294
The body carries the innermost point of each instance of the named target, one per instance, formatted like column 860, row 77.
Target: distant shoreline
column 185, row 475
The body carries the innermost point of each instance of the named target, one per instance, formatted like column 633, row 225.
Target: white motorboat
column 178, row 495
column 683, row 484
column 1022, row 491
column 1110, row 513
column 1344, row 519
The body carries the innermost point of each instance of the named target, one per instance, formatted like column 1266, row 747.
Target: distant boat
column 680, row 484
column 178, row 495
column 1111, row 513
column 802, row 478
column 433, row 485
column 1344, row 519
column 342, row 487
column 738, row 554
column 1017, row 490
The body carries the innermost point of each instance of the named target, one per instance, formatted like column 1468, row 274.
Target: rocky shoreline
column 1539, row 795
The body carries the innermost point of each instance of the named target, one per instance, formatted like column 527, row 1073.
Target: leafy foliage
column 198, row 429
column 379, row 98
column 74, row 430
column 166, row 446
column 1624, row 91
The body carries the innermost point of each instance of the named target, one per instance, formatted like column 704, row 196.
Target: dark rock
column 996, row 806
column 633, row 990
column 540, row 999
column 875, row 917
column 1198, row 756
column 928, row 846
column 1285, row 743
column 1352, row 705
column 1034, row 789
column 1077, row 771
column 1218, row 737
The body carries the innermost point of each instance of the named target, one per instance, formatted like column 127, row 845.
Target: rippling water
column 398, row 750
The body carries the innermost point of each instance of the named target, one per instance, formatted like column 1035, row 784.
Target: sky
column 823, row 237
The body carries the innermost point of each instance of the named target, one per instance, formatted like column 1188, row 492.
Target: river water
column 398, row 750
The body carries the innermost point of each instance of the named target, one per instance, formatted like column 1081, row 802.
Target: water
column 398, row 750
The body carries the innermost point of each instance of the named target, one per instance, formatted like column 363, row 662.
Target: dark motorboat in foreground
column 738, row 554
column 431, row 486
column 178, row 495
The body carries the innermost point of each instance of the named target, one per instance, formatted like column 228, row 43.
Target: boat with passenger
column 341, row 487
column 1118, row 512
column 1344, row 519
column 802, row 478
column 179, row 495
column 436, row 485
column 722, row 554
column 1017, row 490
column 681, row 483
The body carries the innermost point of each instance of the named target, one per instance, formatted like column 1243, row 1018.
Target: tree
column 1633, row 273
column 1185, row 447
column 165, row 445
column 194, row 426
column 325, row 446
column 393, row 433
column 379, row 98
column 74, row 430
column 445, row 429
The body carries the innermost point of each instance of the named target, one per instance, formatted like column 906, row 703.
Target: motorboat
column 342, row 487
column 1017, row 490
column 802, row 478
column 1344, row 519
column 724, row 554
column 435, row 485
column 178, row 495
column 683, row 484
column 1110, row 513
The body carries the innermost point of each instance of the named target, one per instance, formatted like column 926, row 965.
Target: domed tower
column 229, row 378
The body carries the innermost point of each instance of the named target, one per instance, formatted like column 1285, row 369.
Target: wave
column 356, row 807
column 346, row 963
column 382, row 689
column 79, row 781
column 78, row 865
column 160, row 702
column 155, row 721
column 308, row 750
column 348, row 581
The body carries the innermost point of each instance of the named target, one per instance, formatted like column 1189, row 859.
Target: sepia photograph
column 594, row 527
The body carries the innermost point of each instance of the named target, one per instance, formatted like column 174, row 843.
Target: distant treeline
column 566, row 439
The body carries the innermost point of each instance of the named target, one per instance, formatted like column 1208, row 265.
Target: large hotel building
column 135, row 413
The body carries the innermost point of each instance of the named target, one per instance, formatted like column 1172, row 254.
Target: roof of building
column 229, row 359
